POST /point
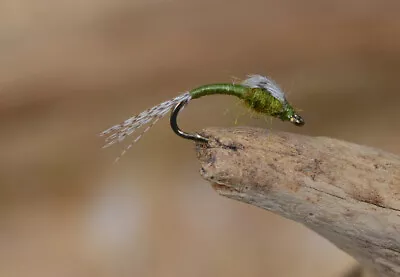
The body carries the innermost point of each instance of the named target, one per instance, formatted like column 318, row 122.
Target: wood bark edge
column 348, row 193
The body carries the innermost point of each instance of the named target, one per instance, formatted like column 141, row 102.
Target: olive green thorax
column 260, row 101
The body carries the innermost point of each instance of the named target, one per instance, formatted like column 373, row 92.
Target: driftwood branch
column 349, row 194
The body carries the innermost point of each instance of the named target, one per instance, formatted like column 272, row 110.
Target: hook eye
column 297, row 120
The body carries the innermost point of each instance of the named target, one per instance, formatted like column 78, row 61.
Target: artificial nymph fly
column 260, row 94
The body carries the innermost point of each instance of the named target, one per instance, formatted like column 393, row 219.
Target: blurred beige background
column 69, row 69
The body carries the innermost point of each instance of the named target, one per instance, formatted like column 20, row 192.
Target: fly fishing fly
column 260, row 94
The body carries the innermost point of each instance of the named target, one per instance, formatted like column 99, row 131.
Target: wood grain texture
column 348, row 193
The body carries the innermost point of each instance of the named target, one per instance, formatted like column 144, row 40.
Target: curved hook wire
column 174, row 124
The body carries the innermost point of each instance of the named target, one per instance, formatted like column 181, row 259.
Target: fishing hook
column 174, row 124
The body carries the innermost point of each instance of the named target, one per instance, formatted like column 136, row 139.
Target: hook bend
column 174, row 124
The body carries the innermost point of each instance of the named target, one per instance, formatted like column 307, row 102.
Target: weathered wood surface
column 348, row 193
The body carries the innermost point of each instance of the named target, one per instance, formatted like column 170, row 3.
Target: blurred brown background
column 69, row 69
